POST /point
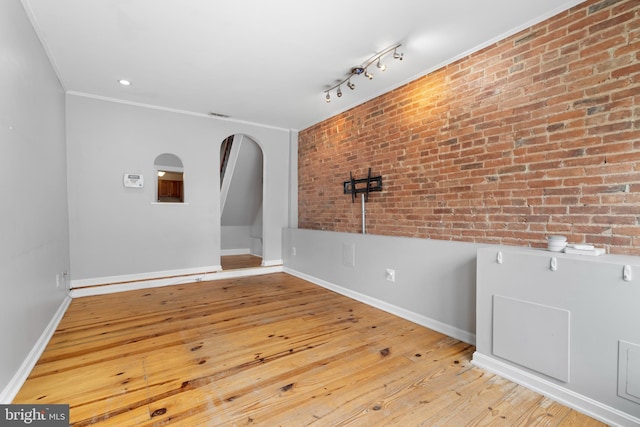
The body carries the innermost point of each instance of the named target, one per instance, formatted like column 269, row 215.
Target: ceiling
column 265, row 62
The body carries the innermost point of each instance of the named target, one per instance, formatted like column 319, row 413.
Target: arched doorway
column 241, row 197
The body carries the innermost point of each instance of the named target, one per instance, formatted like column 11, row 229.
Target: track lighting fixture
column 363, row 69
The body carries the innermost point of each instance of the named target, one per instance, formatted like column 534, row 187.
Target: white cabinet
column 559, row 327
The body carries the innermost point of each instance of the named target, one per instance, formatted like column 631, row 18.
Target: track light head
column 328, row 98
column 397, row 55
column 350, row 85
column 381, row 66
column 339, row 92
column 368, row 75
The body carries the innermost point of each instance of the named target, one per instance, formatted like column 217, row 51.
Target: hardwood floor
column 234, row 262
column 268, row 350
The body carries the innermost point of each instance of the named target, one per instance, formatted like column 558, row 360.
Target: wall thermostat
column 133, row 180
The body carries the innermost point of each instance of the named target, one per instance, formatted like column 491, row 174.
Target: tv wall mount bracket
column 362, row 186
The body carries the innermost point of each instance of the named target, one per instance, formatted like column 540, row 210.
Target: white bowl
column 556, row 248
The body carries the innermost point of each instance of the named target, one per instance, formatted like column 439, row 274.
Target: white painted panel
column 532, row 335
column 629, row 371
column 633, row 373
column 348, row 254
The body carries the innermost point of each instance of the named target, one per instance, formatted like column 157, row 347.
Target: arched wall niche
column 169, row 172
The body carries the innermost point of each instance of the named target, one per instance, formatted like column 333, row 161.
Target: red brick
column 533, row 135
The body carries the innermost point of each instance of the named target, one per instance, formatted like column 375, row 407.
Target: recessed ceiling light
column 124, row 82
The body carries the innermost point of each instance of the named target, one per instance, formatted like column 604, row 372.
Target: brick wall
column 535, row 135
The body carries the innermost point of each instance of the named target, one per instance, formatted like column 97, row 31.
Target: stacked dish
column 556, row 243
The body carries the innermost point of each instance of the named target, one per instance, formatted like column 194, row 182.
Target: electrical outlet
column 390, row 275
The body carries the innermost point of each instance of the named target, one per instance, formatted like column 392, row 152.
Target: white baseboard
column 583, row 404
column 11, row 390
column 224, row 252
column 154, row 275
column 246, row 251
column 419, row 319
column 217, row 274
column 274, row 262
column 244, row 272
column 112, row 284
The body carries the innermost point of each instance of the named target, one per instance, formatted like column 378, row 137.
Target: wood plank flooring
column 269, row 350
column 234, row 262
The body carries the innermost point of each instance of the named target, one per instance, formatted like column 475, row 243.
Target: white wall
column 34, row 229
column 244, row 196
column 242, row 210
column 242, row 240
column 293, row 180
column 255, row 233
column 236, row 239
column 434, row 284
column 117, row 231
